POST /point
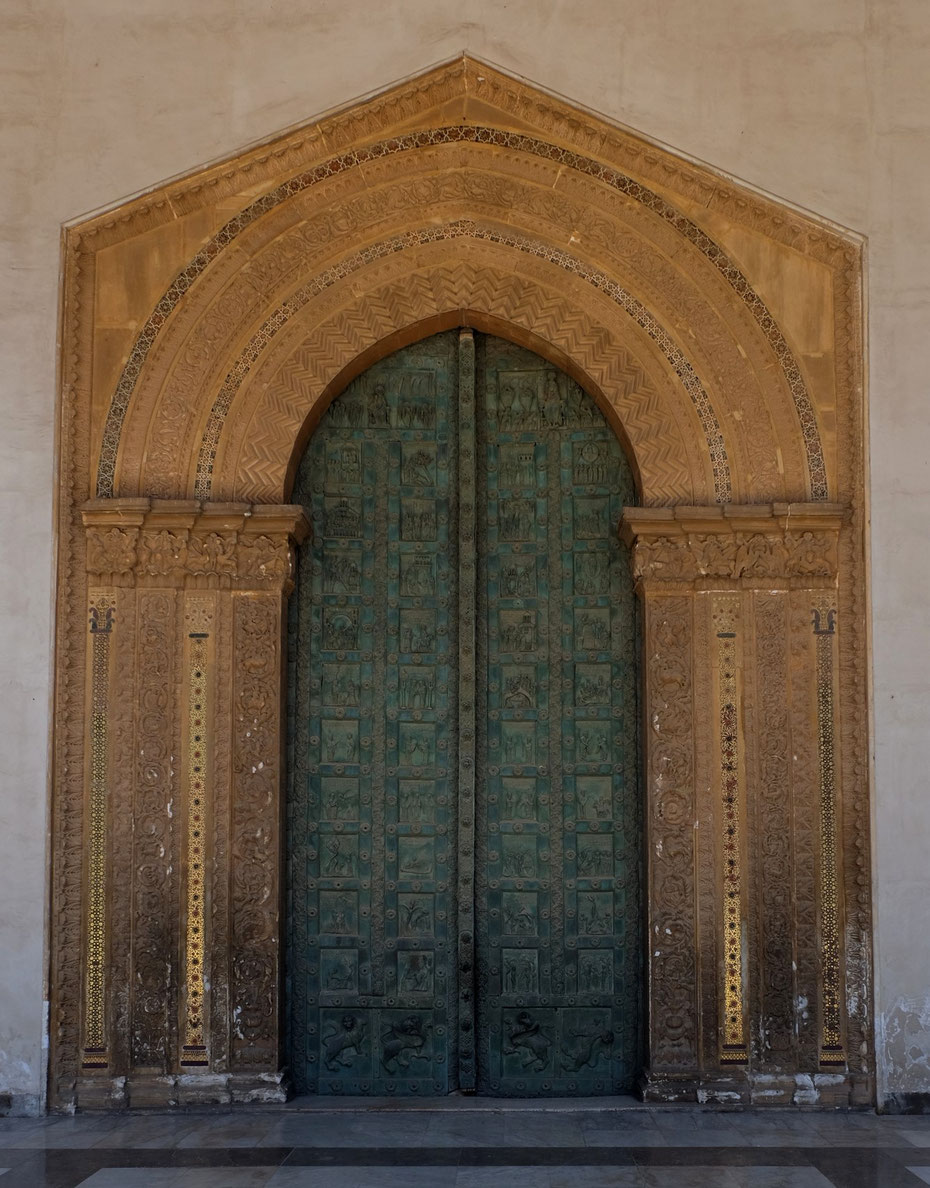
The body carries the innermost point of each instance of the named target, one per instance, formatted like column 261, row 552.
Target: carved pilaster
column 739, row 736
column 183, row 792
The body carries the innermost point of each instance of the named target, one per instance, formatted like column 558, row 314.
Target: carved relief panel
column 557, row 881
column 381, row 818
column 372, row 862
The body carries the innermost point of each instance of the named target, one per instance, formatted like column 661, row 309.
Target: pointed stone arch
column 207, row 326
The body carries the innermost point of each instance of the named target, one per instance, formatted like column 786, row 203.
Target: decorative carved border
column 513, row 141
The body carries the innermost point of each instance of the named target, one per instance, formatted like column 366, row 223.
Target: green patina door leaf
column 463, row 815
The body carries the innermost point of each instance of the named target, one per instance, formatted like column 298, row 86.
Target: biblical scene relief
column 418, row 519
column 595, row 855
column 340, row 742
column 417, row 574
column 592, row 630
column 541, row 399
column 520, row 971
column 343, row 517
column 418, row 465
column 594, row 797
column 517, row 519
column 518, row 799
column 519, row 859
column 517, row 630
column 417, row 630
column 595, row 972
column 416, row 801
column 339, row 798
column 517, row 465
column 520, row 912
column 518, row 743
column 518, row 577
column 339, row 970
column 340, row 629
column 417, row 687
column 344, row 464
column 341, row 684
column 339, row 858
column 415, row 973
column 339, row 913
column 595, row 913
column 416, row 744
column 592, row 742
column 519, row 686
column 415, row 858
column 415, row 915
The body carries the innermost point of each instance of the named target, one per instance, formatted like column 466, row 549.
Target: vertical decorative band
column 102, row 614
column 198, row 621
column 466, row 711
column 726, row 615
column 832, row 1053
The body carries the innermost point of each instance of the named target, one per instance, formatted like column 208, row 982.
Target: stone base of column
column 748, row 1088
column 181, row 1090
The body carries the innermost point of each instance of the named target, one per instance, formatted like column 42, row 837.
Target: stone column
column 182, row 898
column 745, row 979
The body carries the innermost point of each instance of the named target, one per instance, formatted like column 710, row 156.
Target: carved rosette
column 726, row 592
column 196, row 592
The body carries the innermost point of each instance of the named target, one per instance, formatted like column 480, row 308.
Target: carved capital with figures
column 149, row 542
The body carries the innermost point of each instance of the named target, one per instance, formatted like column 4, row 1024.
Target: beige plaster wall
column 824, row 105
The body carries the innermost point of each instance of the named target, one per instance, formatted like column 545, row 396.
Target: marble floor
column 467, row 1144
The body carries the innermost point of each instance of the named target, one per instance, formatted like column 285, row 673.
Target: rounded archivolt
column 464, row 229
column 293, row 254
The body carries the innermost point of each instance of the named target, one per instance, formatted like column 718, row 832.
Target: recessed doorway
column 463, row 817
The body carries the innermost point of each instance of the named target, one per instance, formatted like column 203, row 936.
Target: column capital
column 735, row 543
column 186, row 543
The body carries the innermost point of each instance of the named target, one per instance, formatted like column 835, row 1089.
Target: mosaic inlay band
column 726, row 623
column 194, row 1050
column 458, row 229
column 477, row 135
column 102, row 614
column 831, row 1043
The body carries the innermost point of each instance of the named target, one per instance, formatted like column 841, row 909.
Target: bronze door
column 463, row 823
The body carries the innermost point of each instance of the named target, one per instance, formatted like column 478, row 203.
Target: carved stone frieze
column 772, row 542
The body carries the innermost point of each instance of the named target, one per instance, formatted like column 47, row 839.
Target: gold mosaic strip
column 832, row 1053
column 102, row 614
column 194, row 1050
column 726, row 622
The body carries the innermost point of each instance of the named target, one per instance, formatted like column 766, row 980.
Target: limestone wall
column 824, row 106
